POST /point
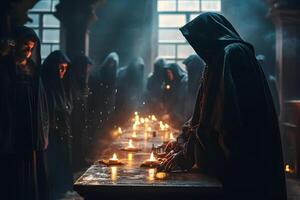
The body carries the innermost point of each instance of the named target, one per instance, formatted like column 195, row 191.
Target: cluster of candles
column 141, row 129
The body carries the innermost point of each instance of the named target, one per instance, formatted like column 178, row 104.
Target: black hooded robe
column 24, row 125
column 130, row 81
column 237, row 123
column 175, row 97
column 79, row 74
column 60, row 102
column 154, row 91
column 101, row 102
column 195, row 68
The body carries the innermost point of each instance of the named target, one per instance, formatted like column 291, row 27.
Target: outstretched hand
column 171, row 162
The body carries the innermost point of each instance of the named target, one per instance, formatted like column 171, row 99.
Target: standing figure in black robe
column 57, row 84
column 101, row 101
column 175, row 94
column 130, row 81
column 195, row 68
column 154, row 92
column 24, row 122
column 234, row 124
column 80, row 69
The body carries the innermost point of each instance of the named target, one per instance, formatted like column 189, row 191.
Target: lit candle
column 114, row 158
column 120, row 130
column 168, row 87
column 153, row 118
column 133, row 135
column 152, row 158
column 130, row 145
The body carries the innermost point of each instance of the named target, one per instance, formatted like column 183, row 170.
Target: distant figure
column 24, row 123
column 130, row 81
column 175, row 94
column 154, row 92
column 57, row 84
column 101, row 101
column 271, row 81
column 234, row 128
column 195, row 68
column 79, row 72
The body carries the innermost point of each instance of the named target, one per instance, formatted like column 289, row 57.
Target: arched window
column 45, row 25
column 172, row 14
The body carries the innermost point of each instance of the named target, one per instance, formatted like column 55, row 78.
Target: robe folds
column 238, row 131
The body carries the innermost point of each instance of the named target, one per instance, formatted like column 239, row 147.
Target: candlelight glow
column 168, row 87
column 136, row 113
column 130, row 145
column 133, row 135
column 149, row 129
column 171, row 136
column 114, row 157
column 152, row 158
column 120, row 130
column 288, row 169
column 130, row 157
column 142, row 120
column 162, row 126
column 134, row 127
column 166, row 126
column 146, row 120
column 153, row 118
column 113, row 171
column 151, row 174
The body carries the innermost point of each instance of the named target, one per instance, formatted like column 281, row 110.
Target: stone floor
column 293, row 189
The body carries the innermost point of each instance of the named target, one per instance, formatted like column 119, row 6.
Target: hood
column 210, row 32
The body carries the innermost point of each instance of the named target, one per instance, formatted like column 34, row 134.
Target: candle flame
column 130, row 144
column 168, row 87
column 152, row 158
column 153, row 118
column 288, row 169
column 146, row 120
column 114, row 157
column 142, row 120
column 136, row 113
column 120, row 130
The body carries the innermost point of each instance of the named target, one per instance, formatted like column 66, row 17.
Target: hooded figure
column 175, row 93
column 129, row 89
column 195, row 68
column 237, row 128
column 24, row 123
column 154, row 91
column 79, row 73
column 102, row 85
column 57, row 84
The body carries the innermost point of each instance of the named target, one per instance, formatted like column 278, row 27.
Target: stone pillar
column 76, row 16
column 286, row 17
